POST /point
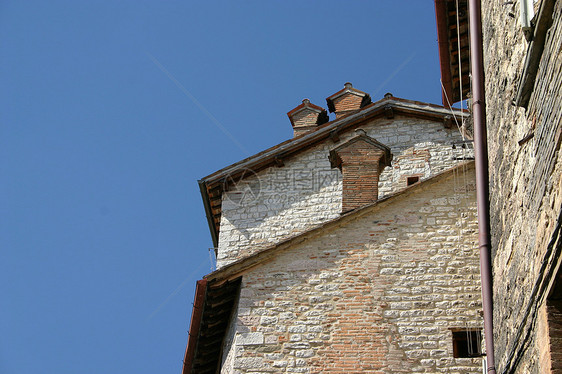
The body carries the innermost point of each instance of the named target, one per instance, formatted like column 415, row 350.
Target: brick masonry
column 347, row 102
column 525, row 183
column 360, row 162
column 305, row 121
column 306, row 117
column 281, row 202
column 378, row 293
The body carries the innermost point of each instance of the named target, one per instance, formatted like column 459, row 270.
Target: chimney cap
column 348, row 89
column 307, row 105
column 336, row 161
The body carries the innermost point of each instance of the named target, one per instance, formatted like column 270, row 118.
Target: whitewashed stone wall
column 378, row 294
column 280, row 202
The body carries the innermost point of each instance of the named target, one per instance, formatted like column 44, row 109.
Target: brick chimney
column 306, row 117
column 347, row 100
column 361, row 160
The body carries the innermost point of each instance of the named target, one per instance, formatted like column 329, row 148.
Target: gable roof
column 212, row 309
column 212, row 186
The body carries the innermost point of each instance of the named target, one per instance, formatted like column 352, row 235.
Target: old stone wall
column 281, row 202
column 378, row 294
column 525, row 183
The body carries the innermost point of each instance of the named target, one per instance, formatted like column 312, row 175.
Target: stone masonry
column 525, row 186
column 280, row 202
column 378, row 291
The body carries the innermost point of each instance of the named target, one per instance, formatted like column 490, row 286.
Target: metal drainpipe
column 481, row 163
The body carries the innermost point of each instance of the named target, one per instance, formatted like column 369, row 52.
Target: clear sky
column 110, row 111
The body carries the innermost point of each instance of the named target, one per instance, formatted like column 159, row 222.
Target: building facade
column 350, row 248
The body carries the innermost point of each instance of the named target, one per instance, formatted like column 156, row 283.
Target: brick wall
column 306, row 191
column 306, row 117
column 305, row 121
column 360, row 160
column 347, row 102
column 360, row 184
column 525, row 183
column 377, row 294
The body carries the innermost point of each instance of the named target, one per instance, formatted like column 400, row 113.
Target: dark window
column 467, row 343
column 412, row 180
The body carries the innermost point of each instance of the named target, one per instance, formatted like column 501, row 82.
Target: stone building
column 523, row 76
column 350, row 248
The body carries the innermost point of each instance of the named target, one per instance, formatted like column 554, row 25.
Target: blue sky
column 109, row 113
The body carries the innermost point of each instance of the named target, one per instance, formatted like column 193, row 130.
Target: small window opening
column 467, row 343
column 412, row 180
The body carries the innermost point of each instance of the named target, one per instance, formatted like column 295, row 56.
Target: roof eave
column 402, row 106
column 209, row 213
column 195, row 325
column 444, row 56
